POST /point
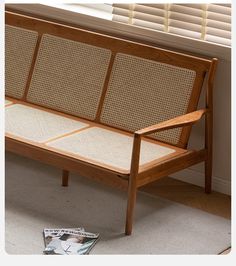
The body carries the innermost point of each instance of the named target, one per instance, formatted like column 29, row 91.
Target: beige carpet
column 35, row 200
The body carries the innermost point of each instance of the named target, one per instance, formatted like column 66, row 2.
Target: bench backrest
column 115, row 82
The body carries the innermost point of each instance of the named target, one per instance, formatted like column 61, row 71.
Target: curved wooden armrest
column 179, row 121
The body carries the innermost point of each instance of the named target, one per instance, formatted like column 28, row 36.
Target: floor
column 193, row 196
column 171, row 189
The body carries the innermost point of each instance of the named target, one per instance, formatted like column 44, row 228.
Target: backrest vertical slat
column 32, row 68
column 105, row 87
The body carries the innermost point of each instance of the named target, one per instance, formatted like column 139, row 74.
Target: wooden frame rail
column 65, row 162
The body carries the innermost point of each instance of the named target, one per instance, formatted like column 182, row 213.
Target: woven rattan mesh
column 19, row 50
column 37, row 125
column 143, row 92
column 69, row 76
column 108, row 147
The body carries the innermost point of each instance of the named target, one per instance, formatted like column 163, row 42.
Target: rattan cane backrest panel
column 143, row 92
column 69, row 76
column 19, row 51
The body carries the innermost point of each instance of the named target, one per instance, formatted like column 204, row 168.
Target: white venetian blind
column 208, row 22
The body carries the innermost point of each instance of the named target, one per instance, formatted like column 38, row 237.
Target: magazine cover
column 54, row 233
column 69, row 242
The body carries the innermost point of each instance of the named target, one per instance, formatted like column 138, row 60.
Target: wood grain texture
column 180, row 121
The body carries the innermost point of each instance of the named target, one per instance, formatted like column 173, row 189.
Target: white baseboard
column 197, row 178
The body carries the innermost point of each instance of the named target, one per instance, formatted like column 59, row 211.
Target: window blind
column 207, row 22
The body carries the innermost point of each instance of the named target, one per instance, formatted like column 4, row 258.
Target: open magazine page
column 77, row 242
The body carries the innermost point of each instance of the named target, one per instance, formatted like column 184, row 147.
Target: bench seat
column 89, row 142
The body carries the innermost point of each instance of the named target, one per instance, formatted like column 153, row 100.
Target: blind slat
column 147, row 24
column 218, row 17
column 184, row 32
column 219, row 9
column 121, row 11
column 185, row 18
column 216, row 39
column 148, row 18
column 161, row 6
column 184, row 25
column 121, row 19
column 219, row 33
column 186, row 10
column 218, row 25
column 159, row 10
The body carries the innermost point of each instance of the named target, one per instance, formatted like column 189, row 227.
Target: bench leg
column 208, row 175
column 208, row 146
column 132, row 190
column 65, row 178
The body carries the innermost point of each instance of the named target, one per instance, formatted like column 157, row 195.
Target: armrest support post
column 135, row 154
column 132, row 189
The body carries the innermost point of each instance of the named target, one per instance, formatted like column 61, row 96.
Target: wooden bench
column 110, row 109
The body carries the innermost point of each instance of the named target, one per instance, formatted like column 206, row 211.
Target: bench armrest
column 179, row 121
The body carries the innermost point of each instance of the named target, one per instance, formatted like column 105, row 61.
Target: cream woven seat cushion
column 143, row 92
column 19, row 50
column 108, row 148
column 69, row 76
column 37, row 125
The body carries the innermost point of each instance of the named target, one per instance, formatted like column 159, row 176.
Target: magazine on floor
column 54, row 233
column 68, row 241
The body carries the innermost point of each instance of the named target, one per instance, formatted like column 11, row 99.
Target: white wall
column 221, row 135
column 222, row 89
